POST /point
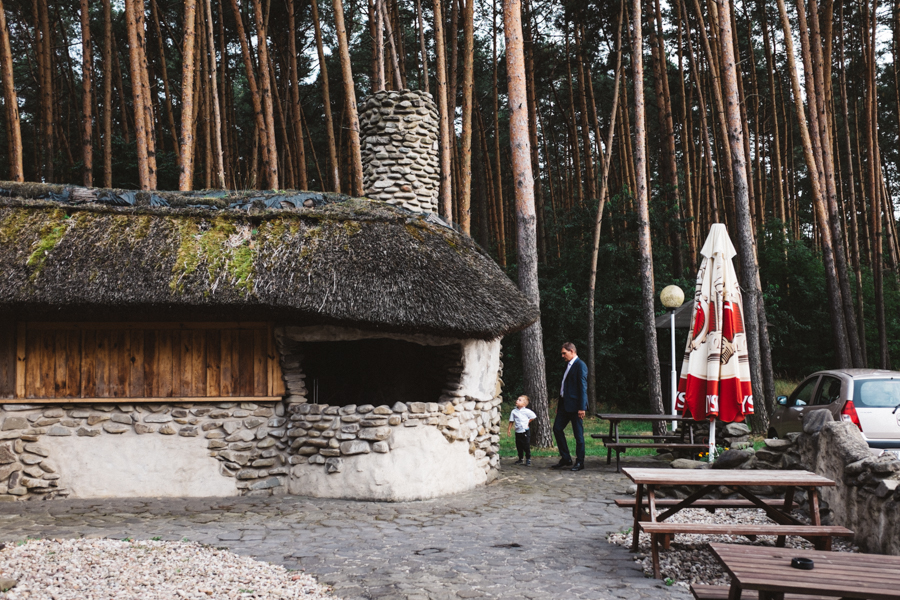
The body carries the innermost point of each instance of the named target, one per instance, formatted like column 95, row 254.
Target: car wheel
column 772, row 435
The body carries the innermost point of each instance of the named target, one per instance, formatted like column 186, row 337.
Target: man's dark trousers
column 563, row 418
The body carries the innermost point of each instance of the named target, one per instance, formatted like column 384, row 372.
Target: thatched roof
column 303, row 258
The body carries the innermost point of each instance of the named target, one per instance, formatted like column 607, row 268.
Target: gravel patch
column 689, row 559
column 87, row 569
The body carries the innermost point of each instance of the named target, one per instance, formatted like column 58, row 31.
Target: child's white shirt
column 521, row 417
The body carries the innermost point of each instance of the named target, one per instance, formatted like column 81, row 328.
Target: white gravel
column 95, row 569
column 689, row 559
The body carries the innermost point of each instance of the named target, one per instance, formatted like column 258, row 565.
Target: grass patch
column 592, row 447
column 592, row 424
column 784, row 387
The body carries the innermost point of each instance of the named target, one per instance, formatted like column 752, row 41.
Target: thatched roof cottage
column 163, row 344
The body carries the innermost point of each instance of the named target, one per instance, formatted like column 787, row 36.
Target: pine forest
column 586, row 145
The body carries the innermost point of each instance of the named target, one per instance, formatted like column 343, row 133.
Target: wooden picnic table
column 740, row 481
column 613, row 441
column 835, row 574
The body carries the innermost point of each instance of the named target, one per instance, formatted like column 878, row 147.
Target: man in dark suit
column 571, row 407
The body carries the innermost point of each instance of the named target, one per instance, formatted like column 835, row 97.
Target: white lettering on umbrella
column 712, row 403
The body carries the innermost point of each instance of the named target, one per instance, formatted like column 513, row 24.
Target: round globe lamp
column 672, row 297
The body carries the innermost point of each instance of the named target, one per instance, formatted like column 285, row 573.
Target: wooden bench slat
column 746, row 529
column 702, row 503
column 606, row 436
column 720, row 592
column 657, row 445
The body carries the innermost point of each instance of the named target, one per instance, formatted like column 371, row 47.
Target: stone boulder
column 686, row 463
column 732, row 459
column 733, row 430
column 815, row 420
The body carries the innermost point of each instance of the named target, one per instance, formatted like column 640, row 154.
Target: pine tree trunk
column 711, row 194
column 334, row 166
column 143, row 72
column 214, row 97
column 170, row 113
column 375, row 30
column 747, row 245
column 641, row 193
column 826, row 144
column 395, row 61
column 186, row 155
column 595, row 251
column 302, row 182
column 45, row 65
column 424, row 83
column 265, row 91
column 532, row 337
column 445, row 202
column 498, row 173
column 851, row 186
column 465, row 183
column 573, row 127
column 250, row 70
column 137, row 92
column 589, row 176
column 355, row 163
column 813, row 161
column 11, row 100
column 87, row 68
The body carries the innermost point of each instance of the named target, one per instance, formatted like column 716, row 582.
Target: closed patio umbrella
column 715, row 377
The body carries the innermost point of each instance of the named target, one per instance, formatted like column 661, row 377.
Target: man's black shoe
column 578, row 466
column 562, row 464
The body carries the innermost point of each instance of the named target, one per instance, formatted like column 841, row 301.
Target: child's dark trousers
column 523, row 445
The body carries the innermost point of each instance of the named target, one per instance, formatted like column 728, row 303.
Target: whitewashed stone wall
column 355, row 445
column 399, row 135
column 403, row 451
column 238, row 440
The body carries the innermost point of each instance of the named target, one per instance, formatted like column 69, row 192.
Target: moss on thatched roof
column 107, row 254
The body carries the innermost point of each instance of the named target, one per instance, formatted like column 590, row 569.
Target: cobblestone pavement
column 533, row 533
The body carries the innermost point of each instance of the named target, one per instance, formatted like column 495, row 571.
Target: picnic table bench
column 720, row 592
column 710, row 504
column 613, row 440
column 834, row 574
column 709, row 480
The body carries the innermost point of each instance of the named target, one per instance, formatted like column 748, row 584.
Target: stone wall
column 399, row 136
column 402, row 451
column 333, row 439
column 238, row 438
column 866, row 498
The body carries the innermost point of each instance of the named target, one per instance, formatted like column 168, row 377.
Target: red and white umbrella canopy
column 715, row 377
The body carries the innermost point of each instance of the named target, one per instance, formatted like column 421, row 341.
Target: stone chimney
column 399, row 136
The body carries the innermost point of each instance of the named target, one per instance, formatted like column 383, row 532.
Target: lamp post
column 672, row 297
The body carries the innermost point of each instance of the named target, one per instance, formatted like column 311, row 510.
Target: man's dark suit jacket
column 575, row 388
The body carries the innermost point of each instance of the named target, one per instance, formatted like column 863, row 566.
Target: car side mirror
column 782, row 400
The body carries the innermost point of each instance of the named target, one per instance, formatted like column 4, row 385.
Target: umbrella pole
column 674, row 373
column 712, row 440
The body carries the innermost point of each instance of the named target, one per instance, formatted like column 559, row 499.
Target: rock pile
column 399, row 135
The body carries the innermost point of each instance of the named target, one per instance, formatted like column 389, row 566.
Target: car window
column 803, row 395
column 829, row 391
column 877, row 393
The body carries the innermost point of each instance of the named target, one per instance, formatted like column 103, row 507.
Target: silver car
column 870, row 398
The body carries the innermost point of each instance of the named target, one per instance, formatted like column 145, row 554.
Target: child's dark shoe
column 518, row 462
column 528, row 463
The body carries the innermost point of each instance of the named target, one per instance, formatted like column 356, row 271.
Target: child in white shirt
column 522, row 416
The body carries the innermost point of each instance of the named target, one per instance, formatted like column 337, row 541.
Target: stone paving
column 533, row 533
